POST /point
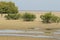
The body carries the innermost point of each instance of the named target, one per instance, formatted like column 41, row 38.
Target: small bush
column 28, row 17
column 50, row 18
column 12, row 16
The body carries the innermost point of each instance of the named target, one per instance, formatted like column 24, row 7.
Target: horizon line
column 42, row 10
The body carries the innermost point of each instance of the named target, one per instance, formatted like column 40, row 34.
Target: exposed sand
column 17, row 24
column 22, row 38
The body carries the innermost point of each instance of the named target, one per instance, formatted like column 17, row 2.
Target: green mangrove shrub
column 28, row 17
column 50, row 18
column 8, row 8
column 12, row 16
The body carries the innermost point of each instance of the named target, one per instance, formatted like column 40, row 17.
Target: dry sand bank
column 21, row 38
column 19, row 24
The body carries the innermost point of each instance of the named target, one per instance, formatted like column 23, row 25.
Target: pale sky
column 51, row 5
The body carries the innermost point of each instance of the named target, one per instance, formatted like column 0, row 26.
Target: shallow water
column 20, row 31
column 57, row 32
column 24, row 33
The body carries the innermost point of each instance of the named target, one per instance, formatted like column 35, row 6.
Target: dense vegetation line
column 11, row 10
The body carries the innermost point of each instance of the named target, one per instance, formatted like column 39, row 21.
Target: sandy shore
column 17, row 24
column 21, row 38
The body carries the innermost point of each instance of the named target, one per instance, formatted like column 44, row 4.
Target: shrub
column 49, row 18
column 28, row 17
column 55, row 19
column 12, row 16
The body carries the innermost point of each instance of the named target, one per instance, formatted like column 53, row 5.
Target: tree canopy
column 8, row 7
